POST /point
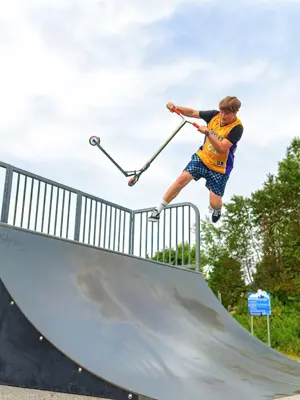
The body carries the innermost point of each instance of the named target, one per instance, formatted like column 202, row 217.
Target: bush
column 284, row 326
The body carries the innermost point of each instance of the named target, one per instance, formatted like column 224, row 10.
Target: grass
column 297, row 358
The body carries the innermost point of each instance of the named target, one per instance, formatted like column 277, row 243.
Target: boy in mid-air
column 214, row 160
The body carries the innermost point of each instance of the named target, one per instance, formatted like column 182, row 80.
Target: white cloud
column 32, row 68
column 72, row 69
column 137, row 12
column 275, row 2
column 111, row 16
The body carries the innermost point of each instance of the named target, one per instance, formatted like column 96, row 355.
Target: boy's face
column 227, row 117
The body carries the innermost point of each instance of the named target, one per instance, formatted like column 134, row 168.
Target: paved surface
column 9, row 393
column 291, row 398
column 147, row 327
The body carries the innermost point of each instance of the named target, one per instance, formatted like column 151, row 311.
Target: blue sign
column 259, row 303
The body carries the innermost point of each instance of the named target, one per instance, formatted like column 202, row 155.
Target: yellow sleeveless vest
column 222, row 163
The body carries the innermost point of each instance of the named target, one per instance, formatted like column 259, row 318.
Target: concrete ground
column 11, row 393
column 290, row 398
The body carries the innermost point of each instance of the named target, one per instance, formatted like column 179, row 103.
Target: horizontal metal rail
column 174, row 239
column 36, row 203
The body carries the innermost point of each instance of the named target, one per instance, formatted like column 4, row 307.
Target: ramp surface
column 30, row 363
column 153, row 329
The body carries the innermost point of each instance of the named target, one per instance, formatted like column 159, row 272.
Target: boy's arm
column 191, row 113
column 187, row 112
column 223, row 145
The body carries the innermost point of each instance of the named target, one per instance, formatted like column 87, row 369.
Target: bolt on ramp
column 153, row 329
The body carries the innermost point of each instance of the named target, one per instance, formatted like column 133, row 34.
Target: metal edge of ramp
column 29, row 361
column 164, row 332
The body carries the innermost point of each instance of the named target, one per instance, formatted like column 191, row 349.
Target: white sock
column 162, row 206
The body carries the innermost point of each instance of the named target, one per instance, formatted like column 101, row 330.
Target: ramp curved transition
column 153, row 329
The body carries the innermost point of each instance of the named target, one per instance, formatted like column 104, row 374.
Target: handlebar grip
column 174, row 109
column 196, row 125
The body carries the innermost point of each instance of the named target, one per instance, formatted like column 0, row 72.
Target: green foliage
column 184, row 255
column 225, row 274
column 226, row 278
column 260, row 237
column 256, row 246
column 284, row 326
column 276, row 209
column 241, row 234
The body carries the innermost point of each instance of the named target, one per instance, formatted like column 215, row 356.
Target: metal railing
column 103, row 224
column 174, row 239
column 36, row 203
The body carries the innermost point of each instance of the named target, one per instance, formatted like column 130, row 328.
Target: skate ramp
column 150, row 328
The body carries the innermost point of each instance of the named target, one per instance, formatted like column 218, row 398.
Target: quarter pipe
column 145, row 327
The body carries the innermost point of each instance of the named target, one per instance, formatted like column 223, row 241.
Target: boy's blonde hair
column 230, row 104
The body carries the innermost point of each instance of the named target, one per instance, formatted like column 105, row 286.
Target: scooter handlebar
column 174, row 109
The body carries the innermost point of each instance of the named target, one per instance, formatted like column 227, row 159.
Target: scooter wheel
column 94, row 140
column 133, row 181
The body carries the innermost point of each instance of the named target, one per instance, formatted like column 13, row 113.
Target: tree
column 224, row 273
column 184, row 255
column 226, row 278
column 241, row 235
column 261, row 233
column 276, row 209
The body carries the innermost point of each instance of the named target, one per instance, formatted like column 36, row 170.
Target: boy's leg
column 215, row 200
column 177, row 186
column 171, row 193
column 193, row 170
column 216, row 204
column 216, row 182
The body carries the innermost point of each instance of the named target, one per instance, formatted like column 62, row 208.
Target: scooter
column 95, row 141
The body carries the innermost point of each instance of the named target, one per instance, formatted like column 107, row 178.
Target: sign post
column 259, row 304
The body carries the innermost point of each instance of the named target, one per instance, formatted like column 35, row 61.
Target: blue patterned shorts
column 215, row 181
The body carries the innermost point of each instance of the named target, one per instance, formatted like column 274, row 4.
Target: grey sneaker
column 216, row 214
column 154, row 217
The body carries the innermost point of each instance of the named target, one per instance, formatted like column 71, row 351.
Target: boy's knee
column 184, row 179
column 215, row 201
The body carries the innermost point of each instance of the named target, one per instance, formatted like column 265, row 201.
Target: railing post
column 131, row 232
column 7, row 194
column 197, row 234
column 78, row 216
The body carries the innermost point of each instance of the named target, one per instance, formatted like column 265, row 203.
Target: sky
column 73, row 69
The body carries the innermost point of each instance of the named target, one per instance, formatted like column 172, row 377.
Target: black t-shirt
column 236, row 132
